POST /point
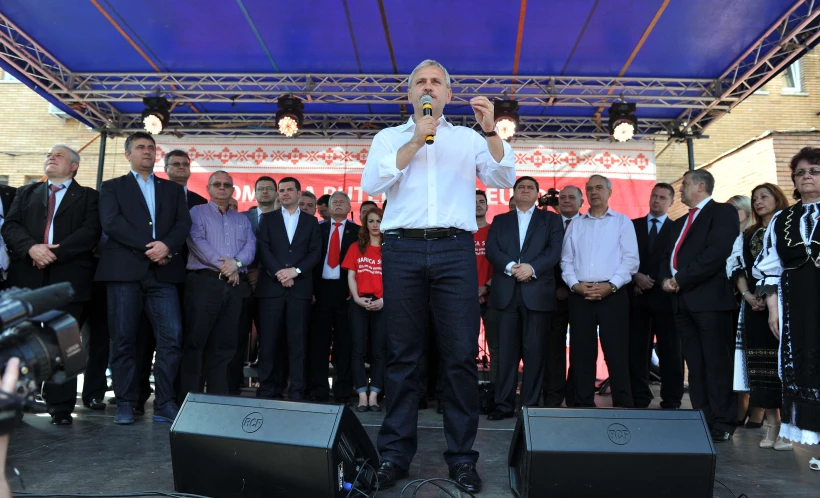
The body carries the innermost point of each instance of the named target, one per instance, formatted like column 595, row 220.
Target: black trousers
column 61, row 398
column 212, row 309
column 360, row 319
column 610, row 317
column 643, row 326
column 281, row 317
column 248, row 317
column 707, row 339
column 431, row 384
column 97, row 344
column 490, row 317
column 330, row 325
column 522, row 334
column 556, row 387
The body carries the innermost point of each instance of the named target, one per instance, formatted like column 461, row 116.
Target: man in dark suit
column 523, row 246
column 332, row 302
column 6, row 197
column 51, row 230
column 147, row 223
column 265, row 192
column 289, row 249
column 693, row 271
column 651, row 308
column 178, row 169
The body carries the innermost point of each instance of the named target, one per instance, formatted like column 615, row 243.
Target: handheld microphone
column 427, row 108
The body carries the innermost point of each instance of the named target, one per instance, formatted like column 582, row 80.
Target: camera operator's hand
column 9, row 385
column 41, row 254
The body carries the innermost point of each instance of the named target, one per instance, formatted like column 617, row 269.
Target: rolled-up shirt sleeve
column 380, row 171
column 768, row 268
column 497, row 174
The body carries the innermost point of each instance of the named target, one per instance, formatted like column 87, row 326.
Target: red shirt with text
column 368, row 268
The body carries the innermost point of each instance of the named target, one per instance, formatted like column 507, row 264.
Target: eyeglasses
column 179, row 165
column 812, row 171
column 266, row 189
column 220, row 185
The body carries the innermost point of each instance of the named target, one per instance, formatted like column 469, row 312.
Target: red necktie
column 683, row 237
column 52, row 203
column 335, row 247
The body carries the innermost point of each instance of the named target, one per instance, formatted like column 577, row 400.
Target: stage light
column 156, row 114
column 289, row 116
column 506, row 118
column 622, row 121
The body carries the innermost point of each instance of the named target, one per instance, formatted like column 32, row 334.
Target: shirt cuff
column 571, row 282
column 617, row 282
column 508, row 269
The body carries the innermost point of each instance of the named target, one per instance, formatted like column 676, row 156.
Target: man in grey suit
column 265, row 190
column 523, row 246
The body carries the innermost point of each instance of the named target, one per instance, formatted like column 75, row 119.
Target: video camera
column 47, row 342
column 551, row 199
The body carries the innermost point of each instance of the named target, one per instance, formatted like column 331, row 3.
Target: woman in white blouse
column 788, row 268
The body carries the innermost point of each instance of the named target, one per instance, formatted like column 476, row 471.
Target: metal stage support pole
column 690, row 149
column 101, row 161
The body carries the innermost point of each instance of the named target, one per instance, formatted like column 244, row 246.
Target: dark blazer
column 127, row 222
column 195, row 199
column 541, row 249
column 274, row 253
column 350, row 235
column 7, row 197
column 701, row 274
column 655, row 298
column 253, row 217
column 76, row 229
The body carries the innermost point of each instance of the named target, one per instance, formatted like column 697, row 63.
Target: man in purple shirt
column 599, row 257
column 221, row 247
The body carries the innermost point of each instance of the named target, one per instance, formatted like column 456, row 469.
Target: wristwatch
column 488, row 133
column 238, row 262
column 614, row 287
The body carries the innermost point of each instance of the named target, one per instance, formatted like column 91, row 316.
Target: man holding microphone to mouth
column 427, row 167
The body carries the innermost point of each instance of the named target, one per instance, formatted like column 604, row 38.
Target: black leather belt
column 426, row 233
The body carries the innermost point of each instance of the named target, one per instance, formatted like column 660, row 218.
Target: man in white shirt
column 426, row 166
column 599, row 257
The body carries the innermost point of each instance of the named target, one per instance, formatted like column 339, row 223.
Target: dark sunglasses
column 220, row 185
column 812, row 171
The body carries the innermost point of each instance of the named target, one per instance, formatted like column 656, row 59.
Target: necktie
column 809, row 222
column 689, row 221
column 653, row 233
column 52, row 202
column 566, row 225
column 335, row 247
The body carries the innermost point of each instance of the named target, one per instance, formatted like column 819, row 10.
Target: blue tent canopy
column 224, row 63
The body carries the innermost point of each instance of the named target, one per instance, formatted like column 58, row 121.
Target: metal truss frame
column 93, row 96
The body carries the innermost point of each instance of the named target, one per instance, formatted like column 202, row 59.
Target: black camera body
column 551, row 199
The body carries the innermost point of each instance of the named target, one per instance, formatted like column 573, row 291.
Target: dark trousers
column 643, row 326
column 556, row 387
column 707, row 340
column 431, row 384
column 360, row 319
column 329, row 325
column 522, row 334
column 248, row 317
column 98, row 342
column 212, row 308
column 61, row 398
column 490, row 318
column 160, row 302
column 282, row 317
column 418, row 274
column 611, row 317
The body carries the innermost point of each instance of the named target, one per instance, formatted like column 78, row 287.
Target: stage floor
column 97, row 457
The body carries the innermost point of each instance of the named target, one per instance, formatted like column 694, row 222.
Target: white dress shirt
column 697, row 213
column 601, row 249
column 524, row 218
column 437, row 188
column 328, row 272
column 291, row 221
column 57, row 200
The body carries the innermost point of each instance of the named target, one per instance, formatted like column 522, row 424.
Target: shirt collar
column 661, row 219
column 702, row 203
column 528, row 211
column 411, row 125
column 609, row 212
column 286, row 213
column 565, row 219
column 66, row 183
column 139, row 177
column 216, row 208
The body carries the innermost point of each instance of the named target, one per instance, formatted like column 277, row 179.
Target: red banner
column 324, row 167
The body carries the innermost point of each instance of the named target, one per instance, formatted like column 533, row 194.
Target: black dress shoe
column 362, row 408
column 719, row 436
column 375, row 408
column 500, row 415
column 139, row 410
column 61, row 419
column 466, row 476
column 388, row 474
column 95, row 404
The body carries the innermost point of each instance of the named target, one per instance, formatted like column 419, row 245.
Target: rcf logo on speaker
column 252, row 422
column 618, row 434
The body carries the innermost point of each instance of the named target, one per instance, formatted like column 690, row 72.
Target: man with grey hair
column 307, row 203
column 703, row 300
column 222, row 245
column 428, row 260
column 599, row 257
column 330, row 323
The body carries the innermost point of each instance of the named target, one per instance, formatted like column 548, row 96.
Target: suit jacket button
column 290, row 250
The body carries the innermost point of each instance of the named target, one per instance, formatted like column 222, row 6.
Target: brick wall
column 756, row 115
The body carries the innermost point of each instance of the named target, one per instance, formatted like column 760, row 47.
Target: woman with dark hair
column 364, row 277
column 759, row 347
column 788, row 268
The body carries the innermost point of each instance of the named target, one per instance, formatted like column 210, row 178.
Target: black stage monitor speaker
column 226, row 447
column 578, row 453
